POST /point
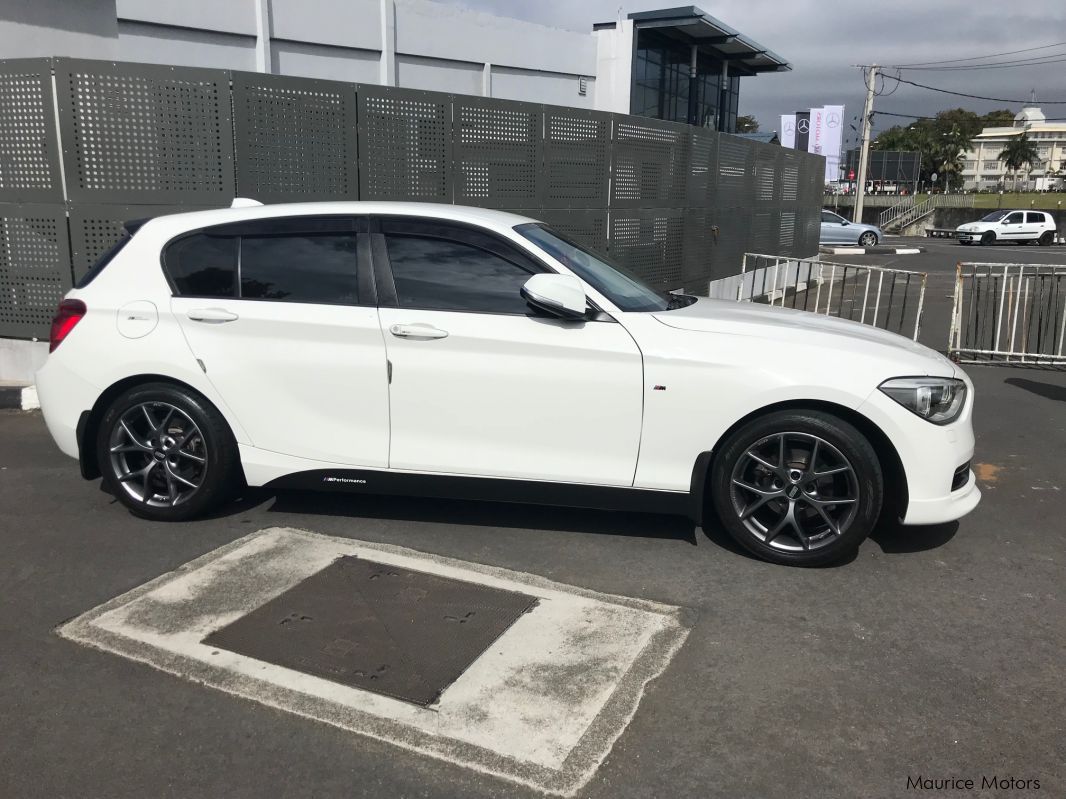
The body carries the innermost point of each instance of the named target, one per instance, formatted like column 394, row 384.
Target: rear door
column 281, row 314
column 483, row 386
column 1034, row 224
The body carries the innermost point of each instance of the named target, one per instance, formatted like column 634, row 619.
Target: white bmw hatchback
column 437, row 350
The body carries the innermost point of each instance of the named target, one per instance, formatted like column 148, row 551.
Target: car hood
column 805, row 329
column 972, row 227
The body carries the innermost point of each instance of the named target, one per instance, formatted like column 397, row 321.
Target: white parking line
column 542, row 706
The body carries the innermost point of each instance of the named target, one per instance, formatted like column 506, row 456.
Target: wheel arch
column 89, row 423
column 896, row 494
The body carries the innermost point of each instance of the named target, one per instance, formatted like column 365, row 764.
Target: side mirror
column 843, row 223
column 559, row 295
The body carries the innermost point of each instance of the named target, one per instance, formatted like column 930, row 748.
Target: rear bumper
column 65, row 397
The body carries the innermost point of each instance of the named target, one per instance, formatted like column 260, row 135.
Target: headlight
column 936, row 399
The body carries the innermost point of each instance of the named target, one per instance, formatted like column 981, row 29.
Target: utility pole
column 864, row 150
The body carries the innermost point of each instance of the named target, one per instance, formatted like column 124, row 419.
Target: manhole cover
column 402, row 633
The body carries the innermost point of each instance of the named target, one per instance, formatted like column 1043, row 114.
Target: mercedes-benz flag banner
column 803, row 129
column 788, row 131
column 819, row 131
column 831, row 138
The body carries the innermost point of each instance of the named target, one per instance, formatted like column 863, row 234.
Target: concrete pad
column 542, row 706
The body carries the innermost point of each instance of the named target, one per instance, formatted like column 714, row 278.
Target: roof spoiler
column 244, row 202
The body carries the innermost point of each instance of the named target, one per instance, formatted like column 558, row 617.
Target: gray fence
column 85, row 145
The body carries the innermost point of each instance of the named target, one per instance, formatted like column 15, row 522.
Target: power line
column 1056, row 58
column 979, row 57
column 976, row 96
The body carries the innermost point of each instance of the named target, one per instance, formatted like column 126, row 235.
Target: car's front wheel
column 868, row 239
column 798, row 487
column 166, row 453
column 988, row 237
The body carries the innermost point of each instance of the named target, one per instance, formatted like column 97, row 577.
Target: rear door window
column 1034, row 217
column 202, row 265
column 312, row 268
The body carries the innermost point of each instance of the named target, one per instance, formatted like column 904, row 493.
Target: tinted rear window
column 203, row 266
column 1035, row 216
column 319, row 268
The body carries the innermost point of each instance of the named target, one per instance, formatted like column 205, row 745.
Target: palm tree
column 1019, row 152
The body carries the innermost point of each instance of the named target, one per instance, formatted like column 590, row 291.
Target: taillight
column 67, row 316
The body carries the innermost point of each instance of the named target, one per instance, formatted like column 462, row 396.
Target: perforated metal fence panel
column 649, row 163
column 34, row 268
column 94, row 229
column 29, row 162
column 405, row 145
column 679, row 205
column 497, row 152
column 145, row 133
column 294, row 138
column 577, row 146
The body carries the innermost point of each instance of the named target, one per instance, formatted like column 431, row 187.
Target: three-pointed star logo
column 804, row 125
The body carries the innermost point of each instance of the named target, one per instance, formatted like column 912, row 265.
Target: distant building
column 677, row 64
column 983, row 170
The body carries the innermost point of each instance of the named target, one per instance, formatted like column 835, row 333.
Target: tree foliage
column 942, row 140
column 1019, row 152
column 747, row 124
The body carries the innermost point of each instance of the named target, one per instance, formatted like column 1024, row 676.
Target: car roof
column 172, row 224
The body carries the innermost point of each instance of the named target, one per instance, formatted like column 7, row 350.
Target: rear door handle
column 211, row 315
column 418, row 331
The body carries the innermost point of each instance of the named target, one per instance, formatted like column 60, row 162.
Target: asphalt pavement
column 936, row 653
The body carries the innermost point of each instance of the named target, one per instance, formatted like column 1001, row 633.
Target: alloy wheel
column 158, row 454
column 868, row 239
column 795, row 492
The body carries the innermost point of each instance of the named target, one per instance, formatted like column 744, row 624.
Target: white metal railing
column 891, row 299
column 903, row 213
column 895, row 210
column 1009, row 313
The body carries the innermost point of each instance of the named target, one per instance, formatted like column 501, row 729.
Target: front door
column 1012, row 226
column 481, row 385
column 276, row 314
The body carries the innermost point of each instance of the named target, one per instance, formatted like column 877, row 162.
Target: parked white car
column 1016, row 226
column 467, row 353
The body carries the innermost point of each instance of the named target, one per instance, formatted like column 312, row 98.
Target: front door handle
column 211, row 315
column 418, row 331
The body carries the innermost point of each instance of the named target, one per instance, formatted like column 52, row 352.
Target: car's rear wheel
column 868, row 239
column 988, row 237
column 1046, row 238
column 166, row 453
column 798, row 487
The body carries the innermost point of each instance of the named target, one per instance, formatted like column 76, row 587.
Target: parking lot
column 934, row 653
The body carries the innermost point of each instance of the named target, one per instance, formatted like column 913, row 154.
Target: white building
column 679, row 64
column 983, row 170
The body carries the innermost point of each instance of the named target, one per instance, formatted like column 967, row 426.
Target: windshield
column 625, row 290
column 995, row 216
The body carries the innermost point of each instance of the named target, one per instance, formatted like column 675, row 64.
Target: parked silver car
column 837, row 230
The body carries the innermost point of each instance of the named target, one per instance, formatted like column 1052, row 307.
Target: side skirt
column 531, row 492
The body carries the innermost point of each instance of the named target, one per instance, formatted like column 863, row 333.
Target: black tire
column 183, row 467
column 1046, row 238
column 837, row 439
column 868, row 239
column 988, row 237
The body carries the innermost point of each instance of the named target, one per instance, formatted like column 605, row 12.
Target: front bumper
column 967, row 236
column 931, row 456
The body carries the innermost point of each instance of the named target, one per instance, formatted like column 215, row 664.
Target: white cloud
column 823, row 38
